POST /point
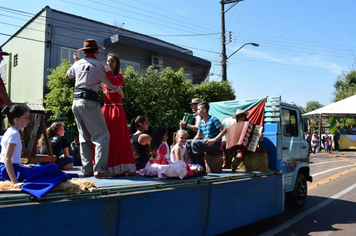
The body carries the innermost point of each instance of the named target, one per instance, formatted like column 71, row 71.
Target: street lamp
column 253, row 44
column 223, row 64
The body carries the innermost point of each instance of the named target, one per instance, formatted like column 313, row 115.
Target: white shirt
column 88, row 74
column 11, row 135
column 315, row 144
column 173, row 154
column 197, row 120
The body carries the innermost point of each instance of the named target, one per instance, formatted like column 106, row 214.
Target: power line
column 187, row 17
column 164, row 16
column 115, row 13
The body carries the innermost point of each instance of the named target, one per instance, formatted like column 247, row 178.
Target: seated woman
column 58, row 142
column 140, row 141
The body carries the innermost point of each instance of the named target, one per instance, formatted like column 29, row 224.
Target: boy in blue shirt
column 208, row 137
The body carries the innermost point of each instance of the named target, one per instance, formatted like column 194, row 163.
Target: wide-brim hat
column 196, row 101
column 239, row 112
column 89, row 44
column 3, row 53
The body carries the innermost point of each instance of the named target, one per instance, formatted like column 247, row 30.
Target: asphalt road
column 330, row 208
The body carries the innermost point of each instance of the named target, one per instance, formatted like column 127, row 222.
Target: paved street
column 331, row 205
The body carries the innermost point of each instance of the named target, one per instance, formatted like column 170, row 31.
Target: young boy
column 208, row 137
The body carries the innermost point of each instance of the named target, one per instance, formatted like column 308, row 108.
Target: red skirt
column 121, row 159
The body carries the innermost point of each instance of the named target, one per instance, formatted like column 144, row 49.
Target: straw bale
column 255, row 161
column 72, row 186
column 75, row 186
column 7, row 185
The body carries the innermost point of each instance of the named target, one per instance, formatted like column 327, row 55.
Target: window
column 135, row 65
column 16, row 60
column 289, row 123
column 67, row 53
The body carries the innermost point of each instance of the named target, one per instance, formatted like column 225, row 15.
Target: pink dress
column 121, row 159
column 161, row 166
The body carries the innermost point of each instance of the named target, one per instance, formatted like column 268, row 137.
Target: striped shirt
column 211, row 128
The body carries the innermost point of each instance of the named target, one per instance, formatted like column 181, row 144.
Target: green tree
column 158, row 95
column 311, row 106
column 59, row 99
column 164, row 96
column 345, row 86
column 214, row 91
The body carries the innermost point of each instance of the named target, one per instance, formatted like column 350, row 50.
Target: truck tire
column 297, row 197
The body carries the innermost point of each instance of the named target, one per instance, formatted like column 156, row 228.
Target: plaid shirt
column 211, row 128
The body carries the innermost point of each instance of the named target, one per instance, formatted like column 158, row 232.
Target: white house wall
column 27, row 77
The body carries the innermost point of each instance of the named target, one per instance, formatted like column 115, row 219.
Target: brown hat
column 89, row 44
column 239, row 112
column 196, row 101
column 3, row 53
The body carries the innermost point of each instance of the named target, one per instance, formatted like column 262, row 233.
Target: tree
column 311, row 106
column 214, row 91
column 163, row 96
column 158, row 95
column 345, row 86
column 59, row 99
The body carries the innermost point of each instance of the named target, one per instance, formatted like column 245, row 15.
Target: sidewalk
column 342, row 153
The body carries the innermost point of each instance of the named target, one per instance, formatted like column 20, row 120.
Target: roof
column 32, row 107
column 87, row 19
column 342, row 108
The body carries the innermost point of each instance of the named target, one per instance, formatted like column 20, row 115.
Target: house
column 52, row 35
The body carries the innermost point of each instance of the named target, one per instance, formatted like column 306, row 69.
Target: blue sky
column 304, row 45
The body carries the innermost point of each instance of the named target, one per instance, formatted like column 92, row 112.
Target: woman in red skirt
column 121, row 159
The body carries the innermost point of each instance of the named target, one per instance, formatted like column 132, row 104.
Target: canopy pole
column 320, row 125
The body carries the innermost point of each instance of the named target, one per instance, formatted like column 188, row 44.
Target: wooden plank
column 43, row 158
column 31, row 144
column 44, row 131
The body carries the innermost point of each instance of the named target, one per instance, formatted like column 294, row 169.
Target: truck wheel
column 297, row 197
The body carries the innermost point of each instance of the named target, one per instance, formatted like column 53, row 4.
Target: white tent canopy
column 342, row 108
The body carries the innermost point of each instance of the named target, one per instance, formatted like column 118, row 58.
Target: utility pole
column 223, row 36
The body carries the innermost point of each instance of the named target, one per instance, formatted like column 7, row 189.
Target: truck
column 202, row 205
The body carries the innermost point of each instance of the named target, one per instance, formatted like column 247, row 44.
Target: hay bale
column 75, row 186
column 255, row 161
column 7, row 185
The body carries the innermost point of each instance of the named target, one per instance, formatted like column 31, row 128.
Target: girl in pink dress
column 159, row 164
column 121, row 159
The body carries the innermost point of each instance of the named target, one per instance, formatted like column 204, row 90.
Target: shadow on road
column 338, row 212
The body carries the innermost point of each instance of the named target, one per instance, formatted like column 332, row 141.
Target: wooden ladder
column 29, row 154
